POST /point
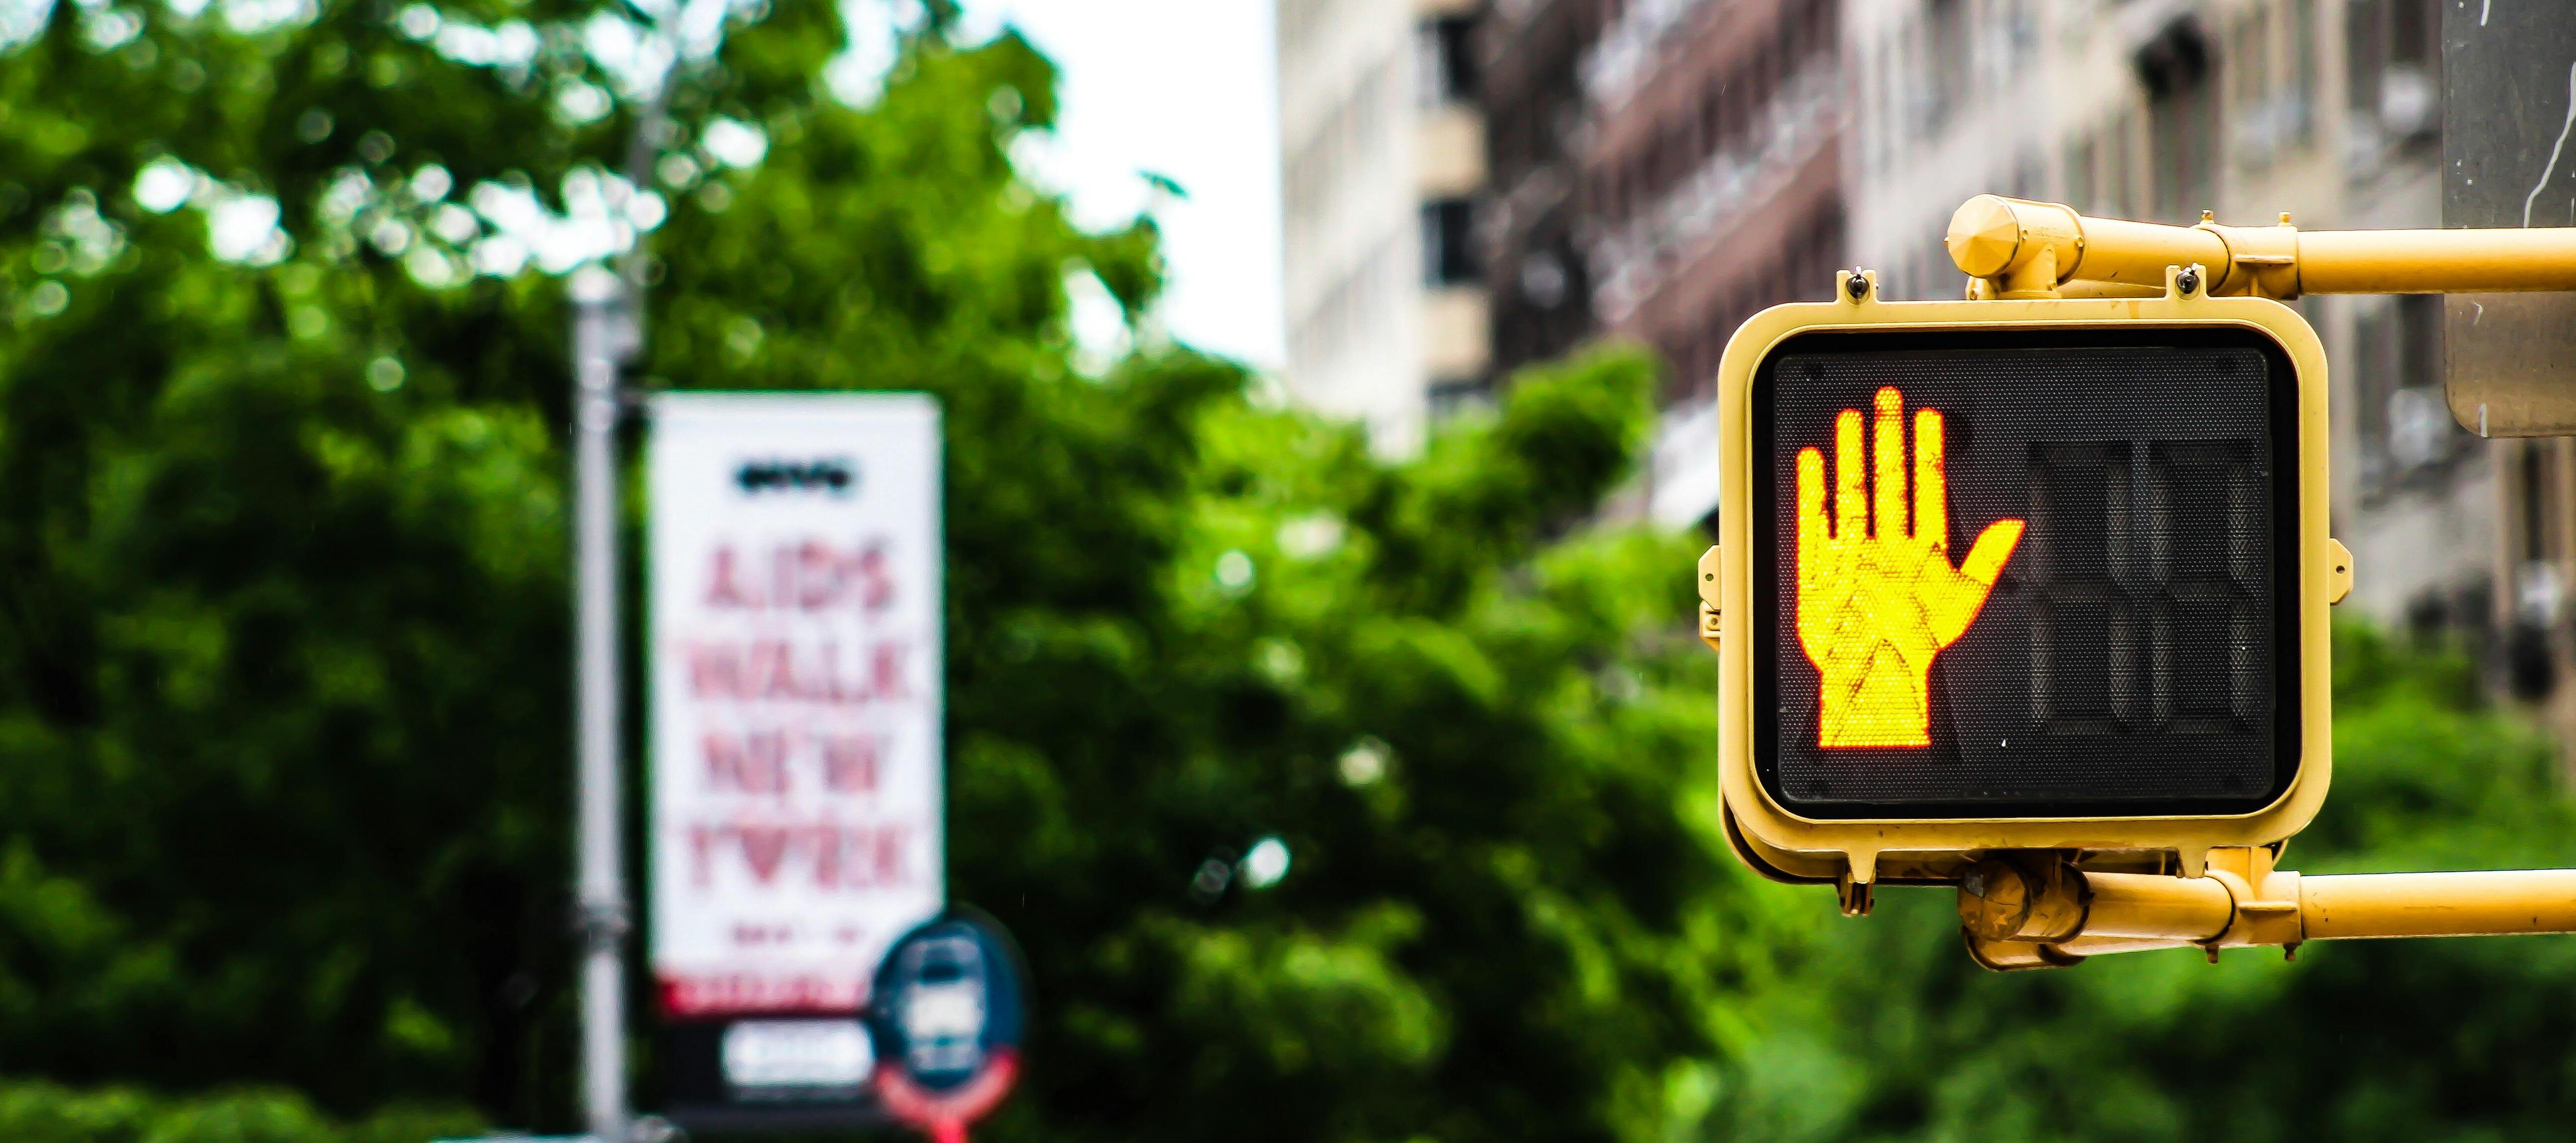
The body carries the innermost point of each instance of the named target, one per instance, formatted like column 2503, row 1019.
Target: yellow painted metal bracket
column 2044, row 894
column 1711, row 598
column 2016, row 248
column 2039, row 909
column 2036, row 910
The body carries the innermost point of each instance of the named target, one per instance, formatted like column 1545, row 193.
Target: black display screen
column 2025, row 575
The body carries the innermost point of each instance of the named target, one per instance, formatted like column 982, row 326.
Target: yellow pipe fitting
column 2005, row 240
column 2261, row 261
column 2265, row 904
column 2091, row 945
column 2038, row 249
column 2437, row 261
column 1711, row 600
column 1992, row 236
column 2039, row 898
column 2138, row 253
column 2084, row 289
column 2035, row 897
column 2136, row 906
column 2495, row 903
column 2030, row 909
column 2013, row 956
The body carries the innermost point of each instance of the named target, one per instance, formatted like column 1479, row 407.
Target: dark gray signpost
column 2509, row 160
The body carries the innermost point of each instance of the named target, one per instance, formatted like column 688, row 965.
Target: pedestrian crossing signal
column 2031, row 574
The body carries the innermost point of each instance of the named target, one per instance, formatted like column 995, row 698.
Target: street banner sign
column 795, row 666
column 946, row 1011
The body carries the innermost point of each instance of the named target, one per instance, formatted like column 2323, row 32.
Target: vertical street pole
column 603, row 336
column 2508, row 162
column 607, row 332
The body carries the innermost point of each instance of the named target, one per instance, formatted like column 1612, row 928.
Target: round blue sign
column 945, row 1013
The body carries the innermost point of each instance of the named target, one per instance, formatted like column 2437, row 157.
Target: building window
column 2303, row 53
column 2365, row 53
column 1444, row 58
column 2182, row 124
column 2410, row 91
column 1543, row 279
column 2394, row 65
column 2405, row 423
column 1452, row 397
column 1449, row 243
column 1953, row 62
column 2081, row 190
column 2250, row 60
column 2258, row 117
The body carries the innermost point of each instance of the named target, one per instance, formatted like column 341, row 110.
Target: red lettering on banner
column 876, row 580
column 696, row 994
column 722, row 590
column 885, row 673
column 765, row 762
column 763, row 848
column 884, row 850
column 749, row 763
column 779, row 670
column 813, row 575
column 824, row 842
column 850, row 764
column 773, row 671
column 843, row 857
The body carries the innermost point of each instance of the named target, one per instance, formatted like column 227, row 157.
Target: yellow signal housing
column 2114, row 600
column 1883, row 591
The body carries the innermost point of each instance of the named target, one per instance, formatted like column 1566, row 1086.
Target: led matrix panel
column 2025, row 582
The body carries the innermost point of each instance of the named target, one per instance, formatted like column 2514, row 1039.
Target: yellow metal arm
column 2032, row 910
column 2438, row 904
column 2024, row 249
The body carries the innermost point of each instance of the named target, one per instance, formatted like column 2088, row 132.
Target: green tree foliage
column 1890, row 1033
column 280, row 681
column 282, row 726
column 48, row 1113
column 1332, row 798
column 1484, row 752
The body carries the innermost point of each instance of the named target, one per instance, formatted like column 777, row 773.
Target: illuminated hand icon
column 1875, row 603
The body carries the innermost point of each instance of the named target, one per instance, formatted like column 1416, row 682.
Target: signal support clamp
column 2025, row 594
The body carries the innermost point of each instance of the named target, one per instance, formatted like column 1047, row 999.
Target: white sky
column 1182, row 88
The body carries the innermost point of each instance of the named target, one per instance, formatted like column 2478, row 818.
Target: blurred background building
column 1660, row 169
column 1382, row 164
column 2326, row 109
column 1498, row 183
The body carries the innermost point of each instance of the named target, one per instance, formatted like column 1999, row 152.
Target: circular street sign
column 945, row 1013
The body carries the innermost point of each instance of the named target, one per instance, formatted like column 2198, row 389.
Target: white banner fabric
column 796, row 670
